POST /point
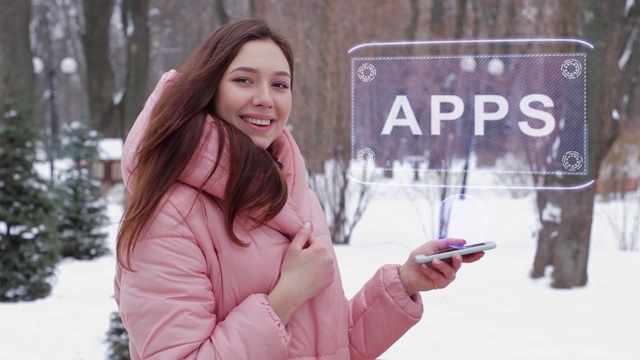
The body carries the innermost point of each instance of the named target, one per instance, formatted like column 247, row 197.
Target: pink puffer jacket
column 194, row 294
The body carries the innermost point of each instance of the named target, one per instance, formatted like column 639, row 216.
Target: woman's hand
column 308, row 268
column 438, row 273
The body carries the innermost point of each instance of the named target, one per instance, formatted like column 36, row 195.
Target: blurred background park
column 74, row 74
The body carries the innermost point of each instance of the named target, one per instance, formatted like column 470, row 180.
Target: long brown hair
column 255, row 184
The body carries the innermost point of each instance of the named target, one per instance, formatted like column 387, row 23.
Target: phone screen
column 462, row 250
column 454, row 248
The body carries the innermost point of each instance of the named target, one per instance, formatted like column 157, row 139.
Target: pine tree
column 28, row 246
column 83, row 213
column 117, row 339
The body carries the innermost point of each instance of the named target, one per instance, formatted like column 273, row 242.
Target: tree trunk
column 221, row 12
column 100, row 76
column 412, row 27
column 604, row 27
column 547, row 235
column 571, row 251
column 16, row 63
column 138, row 47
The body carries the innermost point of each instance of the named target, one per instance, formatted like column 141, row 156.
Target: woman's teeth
column 254, row 121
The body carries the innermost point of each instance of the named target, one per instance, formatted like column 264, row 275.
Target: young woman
column 224, row 251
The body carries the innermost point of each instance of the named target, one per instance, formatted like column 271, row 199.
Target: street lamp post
column 53, row 121
column 38, row 69
column 468, row 65
column 68, row 66
column 495, row 67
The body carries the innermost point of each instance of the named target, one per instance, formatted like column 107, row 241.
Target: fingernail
column 307, row 225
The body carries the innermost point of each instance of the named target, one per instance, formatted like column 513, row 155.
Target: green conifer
column 28, row 245
column 117, row 339
column 83, row 213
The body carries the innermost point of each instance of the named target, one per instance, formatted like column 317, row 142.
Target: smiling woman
column 224, row 251
column 255, row 92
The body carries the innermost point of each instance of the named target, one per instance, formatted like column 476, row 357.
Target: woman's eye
column 281, row 85
column 242, row 80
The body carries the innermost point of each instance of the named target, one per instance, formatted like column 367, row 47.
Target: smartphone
column 462, row 250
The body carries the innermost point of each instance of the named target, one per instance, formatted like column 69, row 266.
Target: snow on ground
column 492, row 311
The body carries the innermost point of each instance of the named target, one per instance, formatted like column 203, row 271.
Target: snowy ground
column 492, row 311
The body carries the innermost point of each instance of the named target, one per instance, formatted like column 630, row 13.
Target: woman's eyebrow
column 254, row 70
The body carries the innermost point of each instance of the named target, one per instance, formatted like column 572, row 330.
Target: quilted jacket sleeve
column 167, row 303
column 380, row 313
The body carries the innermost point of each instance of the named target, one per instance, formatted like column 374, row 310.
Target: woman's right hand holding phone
column 308, row 268
column 437, row 274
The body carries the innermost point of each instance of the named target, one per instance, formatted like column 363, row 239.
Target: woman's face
column 255, row 92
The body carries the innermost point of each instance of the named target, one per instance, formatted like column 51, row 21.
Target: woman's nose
column 263, row 97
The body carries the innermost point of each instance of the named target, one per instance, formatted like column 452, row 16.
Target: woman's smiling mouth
column 254, row 121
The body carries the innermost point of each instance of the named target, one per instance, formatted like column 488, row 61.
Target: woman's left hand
column 438, row 273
